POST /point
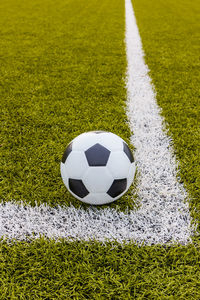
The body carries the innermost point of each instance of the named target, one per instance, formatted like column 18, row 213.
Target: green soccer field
column 63, row 69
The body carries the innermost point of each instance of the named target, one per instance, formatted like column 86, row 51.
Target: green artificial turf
column 49, row 270
column 170, row 32
column 63, row 65
column 62, row 69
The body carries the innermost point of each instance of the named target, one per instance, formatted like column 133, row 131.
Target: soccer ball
column 97, row 167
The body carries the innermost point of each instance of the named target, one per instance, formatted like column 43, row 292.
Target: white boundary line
column 163, row 216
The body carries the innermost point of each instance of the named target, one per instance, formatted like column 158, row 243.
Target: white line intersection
column 163, row 216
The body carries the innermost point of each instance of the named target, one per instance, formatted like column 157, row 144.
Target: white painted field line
column 163, row 216
column 161, row 196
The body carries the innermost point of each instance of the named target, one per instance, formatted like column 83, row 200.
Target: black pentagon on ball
column 78, row 188
column 97, row 155
column 68, row 150
column 98, row 131
column 118, row 187
column 128, row 152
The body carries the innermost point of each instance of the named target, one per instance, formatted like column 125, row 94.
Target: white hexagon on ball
column 64, row 175
column 97, row 179
column 111, row 141
column 76, row 164
column 84, row 141
column 98, row 199
column 97, row 167
column 118, row 164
